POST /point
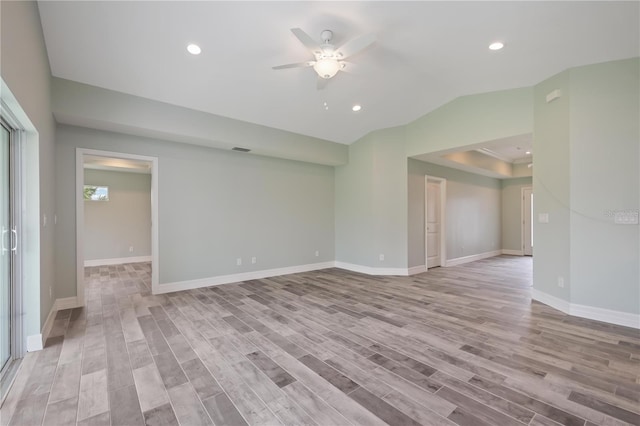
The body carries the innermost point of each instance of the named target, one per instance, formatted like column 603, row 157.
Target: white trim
column 606, row 315
column 370, row 270
column 44, row 333
column 244, row 276
column 513, row 252
column 417, row 270
column 466, row 259
column 155, row 266
column 443, row 217
column 34, row 343
column 553, row 301
column 590, row 312
column 67, row 303
column 117, row 261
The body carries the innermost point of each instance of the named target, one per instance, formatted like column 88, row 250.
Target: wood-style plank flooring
column 462, row 345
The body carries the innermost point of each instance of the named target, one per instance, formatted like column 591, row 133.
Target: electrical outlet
column 130, row 249
column 560, row 282
column 317, row 253
column 238, row 261
column 253, row 260
column 381, row 257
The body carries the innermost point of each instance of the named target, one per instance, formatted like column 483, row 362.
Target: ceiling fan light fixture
column 327, row 68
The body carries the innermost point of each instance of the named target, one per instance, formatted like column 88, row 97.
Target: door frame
column 443, row 240
column 80, row 154
column 17, row 194
column 522, row 217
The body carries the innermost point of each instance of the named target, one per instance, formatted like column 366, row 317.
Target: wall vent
column 237, row 148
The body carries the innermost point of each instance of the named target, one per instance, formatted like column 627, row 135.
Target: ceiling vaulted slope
column 426, row 54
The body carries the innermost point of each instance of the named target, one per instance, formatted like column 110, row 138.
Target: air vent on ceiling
column 237, row 148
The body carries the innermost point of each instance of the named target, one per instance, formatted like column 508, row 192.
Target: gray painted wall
column 473, row 212
column 512, row 212
column 214, row 206
column 111, row 227
column 25, row 70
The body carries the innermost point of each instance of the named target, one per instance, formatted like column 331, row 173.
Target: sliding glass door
column 8, row 243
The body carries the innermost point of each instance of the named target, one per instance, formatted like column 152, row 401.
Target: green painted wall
column 470, row 120
column 604, row 177
column 371, row 202
column 512, row 212
column 473, row 212
column 25, row 70
column 551, row 187
column 213, row 206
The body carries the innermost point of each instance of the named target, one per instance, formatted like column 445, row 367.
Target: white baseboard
column 606, row 315
column 466, row 259
column 67, row 303
column 513, row 252
column 590, row 312
column 553, row 301
column 417, row 270
column 234, row 278
column 371, row 270
column 34, row 343
column 117, row 261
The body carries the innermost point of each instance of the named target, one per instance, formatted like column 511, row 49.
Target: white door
column 433, row 224
column 527, row 221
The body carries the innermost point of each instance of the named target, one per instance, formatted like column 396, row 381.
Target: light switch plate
column 543, row 217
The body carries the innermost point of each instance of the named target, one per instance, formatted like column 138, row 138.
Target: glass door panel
column 6, row 242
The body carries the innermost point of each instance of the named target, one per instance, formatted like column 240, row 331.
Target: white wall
column 112, row 227
column 473, row 212
column 214, row 206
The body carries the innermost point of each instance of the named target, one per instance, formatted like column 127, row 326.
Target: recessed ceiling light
column 194, row 49
column 528, row 152
column 496, row 45
column 356, row 108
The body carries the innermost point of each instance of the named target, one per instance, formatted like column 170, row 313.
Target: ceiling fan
column 328, row 59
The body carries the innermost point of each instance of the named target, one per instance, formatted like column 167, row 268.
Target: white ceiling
column 511, row 150
column 427, row 54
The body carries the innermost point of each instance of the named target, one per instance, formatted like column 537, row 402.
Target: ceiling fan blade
column 305, row 39
column 298, row 65
column 322, row 82
column 350, row 67
column 356, row 45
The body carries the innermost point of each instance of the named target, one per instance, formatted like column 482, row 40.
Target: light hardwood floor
column 462, row 345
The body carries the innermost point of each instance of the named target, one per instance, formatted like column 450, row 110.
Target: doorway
column 95, row 192
column 527, row 221
column 434, row 213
